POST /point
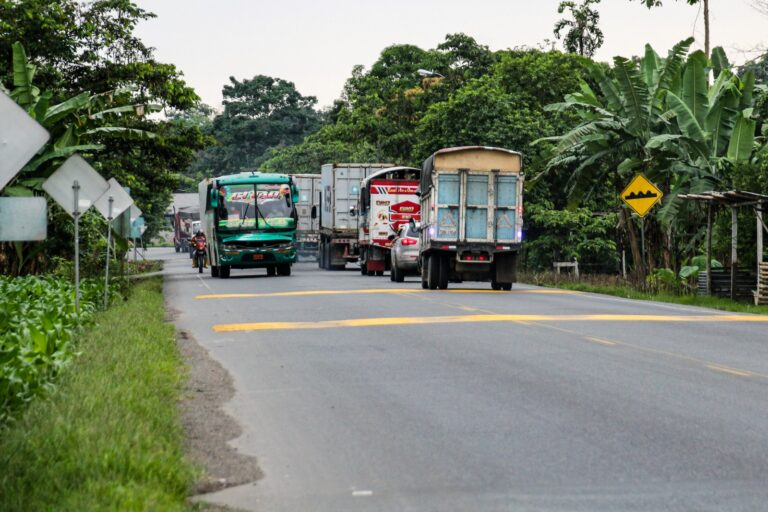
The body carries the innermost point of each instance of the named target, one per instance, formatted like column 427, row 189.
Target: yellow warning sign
column 641, row 195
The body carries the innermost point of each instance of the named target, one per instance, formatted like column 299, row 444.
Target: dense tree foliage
column 260, row 114
column 85, row 59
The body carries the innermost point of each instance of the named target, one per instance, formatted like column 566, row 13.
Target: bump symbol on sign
column 641, row 195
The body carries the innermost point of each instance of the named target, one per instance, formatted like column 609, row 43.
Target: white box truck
column 340, row 190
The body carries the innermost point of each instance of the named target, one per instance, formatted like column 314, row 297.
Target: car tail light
column 410, row 241
column 481, row 258
column 469, row 257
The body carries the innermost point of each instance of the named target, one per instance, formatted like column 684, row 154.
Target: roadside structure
column 736, row 199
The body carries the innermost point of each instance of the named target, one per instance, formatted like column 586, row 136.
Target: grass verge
column 628, row 292
column 110, row 437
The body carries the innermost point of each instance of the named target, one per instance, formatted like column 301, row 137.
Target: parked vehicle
column 388, row 199
column 250, row 222
column 340, row 190
column 405, row 253
column 308, row 228
column 472, row 216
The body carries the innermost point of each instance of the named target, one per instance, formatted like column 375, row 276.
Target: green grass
column 689, row 300
column 109, row 437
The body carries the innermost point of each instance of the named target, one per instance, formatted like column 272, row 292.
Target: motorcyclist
column 199, row 237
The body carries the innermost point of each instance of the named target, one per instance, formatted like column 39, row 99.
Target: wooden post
column 709, row 248
column 734, row 250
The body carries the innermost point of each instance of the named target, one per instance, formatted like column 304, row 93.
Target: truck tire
column 320, row 261
column 224, row 271
column 271, row 270
column 442, row 277
column 284, row 269
column 363, row 269
column 433, row 271
column 214, row 271
column 423, row 269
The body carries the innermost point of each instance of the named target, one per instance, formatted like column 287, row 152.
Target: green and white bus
column 250, row 221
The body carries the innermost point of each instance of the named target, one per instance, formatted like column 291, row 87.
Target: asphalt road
column 359, row 394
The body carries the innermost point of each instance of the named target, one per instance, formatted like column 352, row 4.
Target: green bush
column 38, row 324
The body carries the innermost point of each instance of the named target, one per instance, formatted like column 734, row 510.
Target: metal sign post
column 75, row 185
column 112, row 204
column 109, row 243
column 76, row 215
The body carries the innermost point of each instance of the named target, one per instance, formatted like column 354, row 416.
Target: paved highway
column 359, row 394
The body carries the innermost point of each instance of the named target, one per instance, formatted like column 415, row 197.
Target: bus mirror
column 313, row 214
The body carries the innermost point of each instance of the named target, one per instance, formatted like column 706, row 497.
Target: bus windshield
column 260, row 206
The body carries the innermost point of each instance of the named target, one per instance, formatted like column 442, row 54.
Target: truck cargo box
column 340, row 185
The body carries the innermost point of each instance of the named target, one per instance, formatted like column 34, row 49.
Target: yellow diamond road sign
column 641, row 195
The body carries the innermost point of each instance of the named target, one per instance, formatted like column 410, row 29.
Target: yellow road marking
column 602, row 342
column 407, row 291
column 731, row 371
column 379, row 322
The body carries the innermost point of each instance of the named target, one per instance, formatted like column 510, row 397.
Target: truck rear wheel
column 284, row 269
column 224, row 271
column 442, row 278
column 363, row 269
column 214, row 271
column 433, row 271
column 271, row 270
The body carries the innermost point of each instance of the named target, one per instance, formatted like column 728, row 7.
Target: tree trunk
column 707, row 47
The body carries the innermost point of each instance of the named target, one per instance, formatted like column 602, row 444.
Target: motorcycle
column 198, row 257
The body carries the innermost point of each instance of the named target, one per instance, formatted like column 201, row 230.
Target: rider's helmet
column 199, row 232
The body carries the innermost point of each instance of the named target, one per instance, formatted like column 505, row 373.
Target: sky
column 316, row 43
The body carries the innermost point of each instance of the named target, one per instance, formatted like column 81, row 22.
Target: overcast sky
column 315, row 43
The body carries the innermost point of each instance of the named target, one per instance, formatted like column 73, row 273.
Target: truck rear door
column 478, row 207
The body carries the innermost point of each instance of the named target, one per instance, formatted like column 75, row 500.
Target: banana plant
column 77, row 124
column 660, row 117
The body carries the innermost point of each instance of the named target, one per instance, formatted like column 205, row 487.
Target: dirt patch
column 208, row 427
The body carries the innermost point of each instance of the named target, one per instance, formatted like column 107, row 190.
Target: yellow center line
column 407, row 291
column 601, row 341
column 731, row 371
column 429, row 320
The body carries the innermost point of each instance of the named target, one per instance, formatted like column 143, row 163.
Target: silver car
column 405, row 253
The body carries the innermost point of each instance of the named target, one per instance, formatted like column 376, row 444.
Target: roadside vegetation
column 38, row 325
column 109, row 436
column 619, row 287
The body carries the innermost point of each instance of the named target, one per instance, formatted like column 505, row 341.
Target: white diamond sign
column 135, row 212
column 121, row 201
column 60, row 186
column 20, row 138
